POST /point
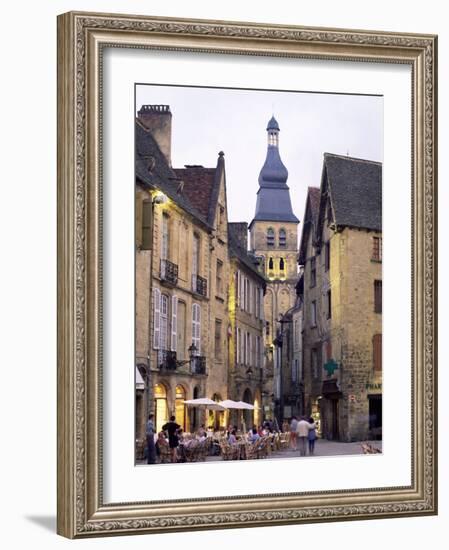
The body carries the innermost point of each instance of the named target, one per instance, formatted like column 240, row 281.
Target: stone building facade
column 290, row 341
column 181, row 275
column 341, row 254
column 246, row 335
column 273, row 240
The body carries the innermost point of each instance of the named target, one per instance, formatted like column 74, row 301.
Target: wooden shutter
column 237, row 343
column 147, row 225
column 156, row 318
column 378, row 296
column 196, row 327
column 174, row 322
column 377, row 352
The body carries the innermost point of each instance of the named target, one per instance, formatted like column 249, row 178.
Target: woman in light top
column 312, row 436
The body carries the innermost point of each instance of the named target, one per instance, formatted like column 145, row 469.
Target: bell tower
column 274, row 234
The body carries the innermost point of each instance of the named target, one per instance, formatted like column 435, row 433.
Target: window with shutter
column 312, row 271
column 327, row 256
column 237, row 346
column 251, row 350
column 163, row 338
column 313, row 314
column 195, row 255
column 165, row 237
column 196, row 327
column 218, row 345
column 174, row 322
column 147, row 225
column 237, row 288
column 282, row 237
column 156, row 318
column 378, row 296
column 377, row 249
column 377, row 352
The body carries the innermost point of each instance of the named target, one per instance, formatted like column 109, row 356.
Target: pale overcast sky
column 208, row 120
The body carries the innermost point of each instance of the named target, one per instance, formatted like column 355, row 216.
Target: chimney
column 239, row 231
column 157, row 119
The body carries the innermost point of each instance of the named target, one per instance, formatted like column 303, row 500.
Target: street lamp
column 192, row 353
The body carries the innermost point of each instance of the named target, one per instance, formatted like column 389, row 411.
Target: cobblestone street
column 323, row 447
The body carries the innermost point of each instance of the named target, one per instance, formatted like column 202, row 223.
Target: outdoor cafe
column 236, row 442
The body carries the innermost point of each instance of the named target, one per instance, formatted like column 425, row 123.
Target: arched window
column 180, row 408
column 160, row 406
column 270, row 264
column 270, row 236
column 282, row 237
column 281, row 264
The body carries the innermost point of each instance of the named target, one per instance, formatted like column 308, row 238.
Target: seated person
column 201, row 431
column 232, row 439
column 253, row 435
column 160, row 442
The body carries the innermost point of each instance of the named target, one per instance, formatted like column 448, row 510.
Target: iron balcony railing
column 167, row 360
column 199, row 285
column 198, row 364
column 169, row 272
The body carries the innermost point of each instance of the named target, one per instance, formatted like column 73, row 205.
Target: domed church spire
column 273, row 197
column 273, row 132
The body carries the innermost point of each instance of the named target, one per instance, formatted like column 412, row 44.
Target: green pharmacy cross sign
column 331, row 366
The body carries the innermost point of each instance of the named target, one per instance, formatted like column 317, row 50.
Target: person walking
column 302, row 429
column 151, row 447
column 293, row 434
column 312, row 436
column 173, row 440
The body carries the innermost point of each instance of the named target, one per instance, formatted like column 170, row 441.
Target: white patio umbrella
column 204, row 403
column 246, row 406
column 240, row 405
column 229, row 404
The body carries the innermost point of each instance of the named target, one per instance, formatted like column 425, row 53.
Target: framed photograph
column 246, row 274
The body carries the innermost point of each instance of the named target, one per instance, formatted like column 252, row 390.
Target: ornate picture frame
column 82, row 38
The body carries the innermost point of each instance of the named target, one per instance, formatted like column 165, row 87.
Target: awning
column 204, row 403
column 330, row 389
column 229, row 404
column 140, row 384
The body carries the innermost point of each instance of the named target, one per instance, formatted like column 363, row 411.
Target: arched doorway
column 160, row 406
column 257, row 409
column 180, row 408
column 248, row 414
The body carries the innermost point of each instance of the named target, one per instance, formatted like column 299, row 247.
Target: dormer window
column 270, row 236
column 282, row 237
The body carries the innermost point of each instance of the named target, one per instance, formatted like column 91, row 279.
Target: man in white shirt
column 302, row 429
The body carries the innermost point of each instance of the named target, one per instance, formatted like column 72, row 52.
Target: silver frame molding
column 81, row 38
